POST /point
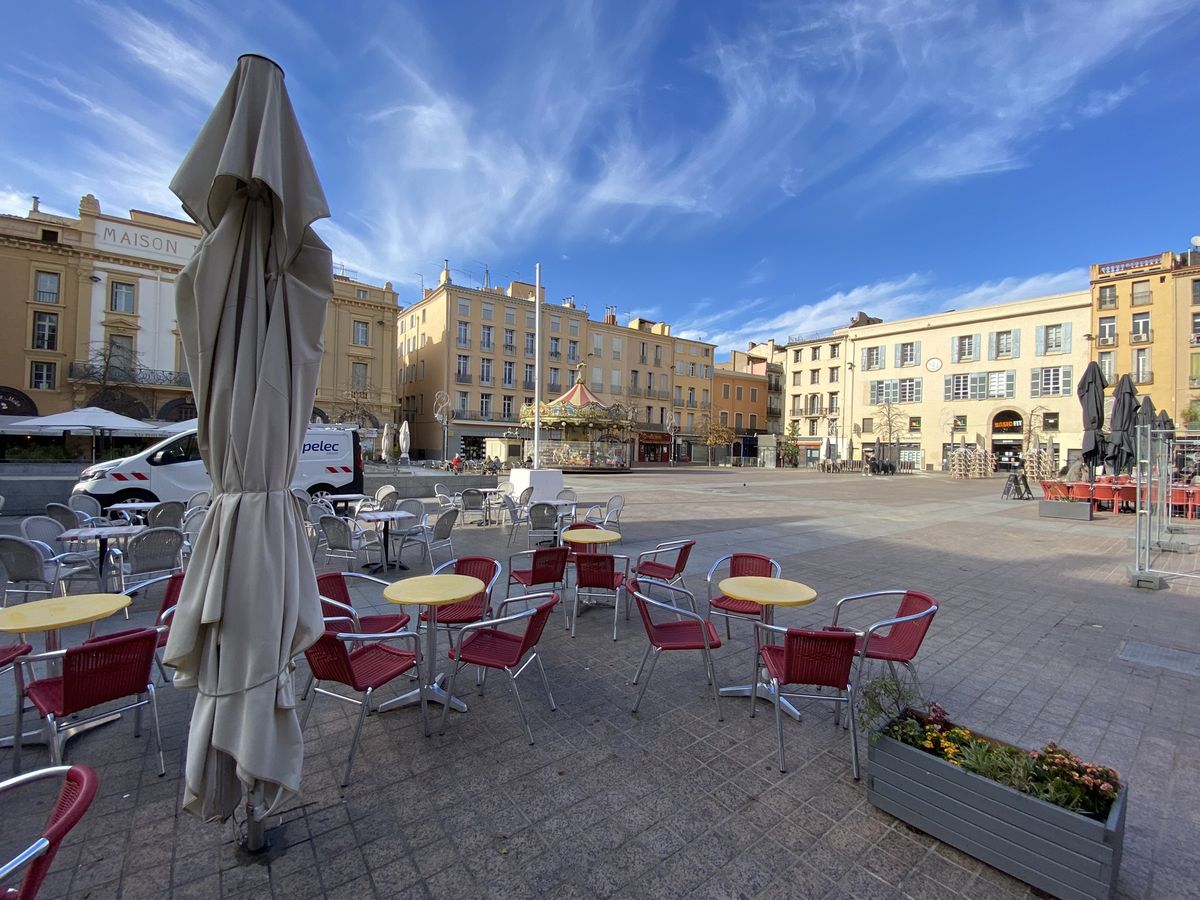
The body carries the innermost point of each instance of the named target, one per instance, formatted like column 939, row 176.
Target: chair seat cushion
column 46, row 695
column 491, row 647
column 524, row 577
column 880, row 648
column 377, row 664
column 459, row 613
column 738, row 607
column 384, row 624
column 11, row 652
column 616, row 582
column 686, row 635
column 652, row 569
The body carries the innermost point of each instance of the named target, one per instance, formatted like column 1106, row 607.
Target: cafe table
column 431, row 591
column 386, row 516
column 135, row 506
column 102, row 535
column 590, row 538
column 50, row 616
column 768, row 593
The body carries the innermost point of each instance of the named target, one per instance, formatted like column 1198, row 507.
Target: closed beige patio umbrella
column 251, row 307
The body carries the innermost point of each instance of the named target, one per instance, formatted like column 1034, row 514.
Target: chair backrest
column 414, row 506
column 168, row 514
column 193, row 520
column 543, row 517
column 21, row 559
column 1080, row 490
column 63, row 514
column 76, row 795
column 314, row 512
column 511, row 506
column 338, row 533
column 44, row 529
column 612, row 512
column 486, row 570
column 329, row 660
column 302, row 495
column 537, row 624
column 444, row 525
column 1104, row 492
column 595, row 570
column 549, row 565
column 567, row 494
column 472, row 499
column 200, row 499
column 107, row 669
column 682, row 552
column 818, row 657
column 742, row 564
column 384, row 490
column 505, row 487
column 523, row 499
column 170, row 598
column 154, row 550
column 89, row 506
column 332, row 586
column 670, row 594
column 903, row 639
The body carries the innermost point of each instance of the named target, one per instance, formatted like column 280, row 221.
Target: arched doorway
column 120, row 402
column 16, row 403
column 1008, row 439
column 319, row 415
column 178, row 410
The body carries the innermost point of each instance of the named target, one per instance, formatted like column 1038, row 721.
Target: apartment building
column 740, row 402
column 1146, row 323
column 768, row 359
column 814, row 385
column 1001, row 377
column 691, row 397
column 96, row 297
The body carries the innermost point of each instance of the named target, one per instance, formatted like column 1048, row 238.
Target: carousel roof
column 578, row 395
column 577, row 407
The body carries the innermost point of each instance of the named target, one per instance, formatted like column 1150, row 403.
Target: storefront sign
column 144, row 242
column 1007, row 423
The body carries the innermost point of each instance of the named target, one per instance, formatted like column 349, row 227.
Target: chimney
column 36, row 198
column 444, row 278
column 610, row 315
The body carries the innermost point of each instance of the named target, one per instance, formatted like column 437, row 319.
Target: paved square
column 669, row 802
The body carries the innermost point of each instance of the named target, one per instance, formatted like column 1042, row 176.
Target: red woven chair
column 336, row 603
column 597, row 578
column 98, row 671
column 8, row 659
column 488, row 646
column 365, row 669
column 896, row 639
column 739, row 564
column 77, row 793
column 547, row 569
column 166, row 613
column 1103, row 495
column 807, row 657
column 572, row 552
column 685, row 629
column 670, row 570
column 1079, row 490
column 476, row 608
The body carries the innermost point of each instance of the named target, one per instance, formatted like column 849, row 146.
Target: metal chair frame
column 9, row 654
column 874, row 629
column 776, row 572
column 433, row 535
column 529, row 656
column 118, row 558
column 683, row 549
column 347, row 540
column 600, row 591
column 558, row 584
column 515, row 513
column 473, row 500
column 543, row 523
column 763, row 637
column 709, row 639
column 79, row 789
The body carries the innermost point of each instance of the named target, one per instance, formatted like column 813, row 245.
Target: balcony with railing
column 555, row 354
column 1142, row 298
column 487, row 346
column 462, row 377
column 486, row 381
column 1107, row 301
column 464, row 343
column 642, row 358
column 1145, row 376
column 814, row 410
column 554, row 387
column 510, row 349
column 529, row 352
column 1194, row 384
column 1144, row 336
column 616, row 354
column 45, row 296
column 774, row 409
column 528, row 385
column 1106, row 340
column 113, row 373
column 691, row 404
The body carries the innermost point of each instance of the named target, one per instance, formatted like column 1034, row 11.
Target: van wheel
column 133, row 495
column 320, row 489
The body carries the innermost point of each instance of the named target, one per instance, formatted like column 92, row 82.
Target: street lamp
column 850, row 414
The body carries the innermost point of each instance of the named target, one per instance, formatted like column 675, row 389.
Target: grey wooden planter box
column 1065, row 509
column 1061, row 852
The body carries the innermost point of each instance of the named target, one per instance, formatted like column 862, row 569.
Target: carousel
column 591, row 437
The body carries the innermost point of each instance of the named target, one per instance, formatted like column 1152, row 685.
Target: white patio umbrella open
column 178, row 427
column 251, row 306
column 86, row 419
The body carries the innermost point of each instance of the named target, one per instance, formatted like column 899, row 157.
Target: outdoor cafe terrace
column 670, row 801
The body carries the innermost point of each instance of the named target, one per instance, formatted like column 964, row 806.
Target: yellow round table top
column 768, row 591
column 591, row 536
column 432, row 590
column 60, row 612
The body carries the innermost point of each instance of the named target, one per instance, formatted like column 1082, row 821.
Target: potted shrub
column 1045, row 817
column 1191, row 415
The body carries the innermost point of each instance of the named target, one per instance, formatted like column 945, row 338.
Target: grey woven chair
column 472, row 500
column 193, row 521
column 150, row 553
column 346, row 540
column 198, row 500
column 543, row 524
column 516, row 515
column 168, row 514
column 32, row 562
column 433, row 535
column 64, row 515
column 87, row 507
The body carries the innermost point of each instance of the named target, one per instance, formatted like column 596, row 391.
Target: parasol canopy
column 251, row 307
column 87, row 418
column 403, row 440
column 1090, row 391
column 1122, row 447
column 387, row 441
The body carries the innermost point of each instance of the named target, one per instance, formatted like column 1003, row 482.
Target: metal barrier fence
column 1167, row 526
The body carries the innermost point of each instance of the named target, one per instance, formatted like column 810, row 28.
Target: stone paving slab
column 670, row 801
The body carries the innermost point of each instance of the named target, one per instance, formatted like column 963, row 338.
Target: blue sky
column 741, row 170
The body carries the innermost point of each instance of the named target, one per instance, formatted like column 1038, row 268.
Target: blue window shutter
column 1068, row 388
column 949, row 388
column 916, row 353
column 917, row 391
column 1039, row 340
column 1016, row 354
column 864, row 359
column 1010, row 384
column 1066, row 337
column 953, row 349
column 991, row 345
column 1035, row 388
column 976, row 347
column 896, row 355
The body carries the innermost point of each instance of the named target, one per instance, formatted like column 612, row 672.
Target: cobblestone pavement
column 669, row 801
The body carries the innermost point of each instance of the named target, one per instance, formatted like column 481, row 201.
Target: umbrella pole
column 256, row 830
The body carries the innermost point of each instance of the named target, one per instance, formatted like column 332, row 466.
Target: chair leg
column 642, row 664
column 308, row 704
column 162, row 766
column 545, row 681
column 713, row 680
column 853, row 733
column 617, row 611
column 362, row 715
column 779, row 723
column 137, row 717
column 728, row 633
column 512, row 683
column 162, row 670
column 53, row 743
column 19, row 718
column 450, row 693
column 575, row 610
column 642, row 692
column 308, row 685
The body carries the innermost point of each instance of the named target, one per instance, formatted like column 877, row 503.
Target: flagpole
column 537, row 367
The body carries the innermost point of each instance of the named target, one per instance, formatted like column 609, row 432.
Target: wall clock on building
column 934, row 364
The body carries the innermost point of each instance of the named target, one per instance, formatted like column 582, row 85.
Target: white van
column 330, row 460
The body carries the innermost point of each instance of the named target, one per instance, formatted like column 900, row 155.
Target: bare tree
column 890, row 421
column 110, row 378
column 715, row 434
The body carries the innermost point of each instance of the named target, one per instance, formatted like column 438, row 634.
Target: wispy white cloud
column 1012, row 288
column 1101, row 103
column 13, row 202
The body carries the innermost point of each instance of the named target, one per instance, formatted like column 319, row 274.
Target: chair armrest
column 365, row 577
column 524, row 598
column 674, row 610
column 166, row 615
column 30, row 658
column 24, row 858
column 380, row 638
column 145, row 584
column 349, row 614
column 762, row 626
column 870, row 594
column 515, row 556
column 625, row 559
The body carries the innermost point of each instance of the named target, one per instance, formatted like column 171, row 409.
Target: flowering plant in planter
column 1053, row 773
